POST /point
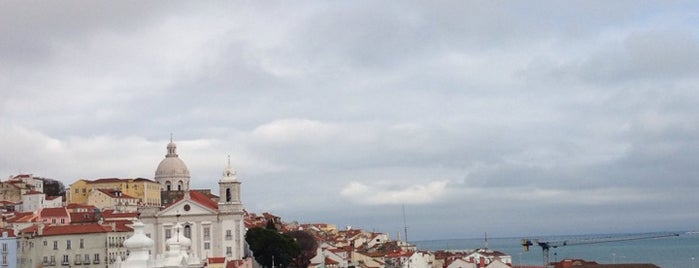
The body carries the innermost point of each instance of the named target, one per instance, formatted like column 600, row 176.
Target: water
column 668, row 252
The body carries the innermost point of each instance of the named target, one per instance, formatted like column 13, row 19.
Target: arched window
column 168, row 186
column 179, row 186
column 228, row 195
column 188, row 231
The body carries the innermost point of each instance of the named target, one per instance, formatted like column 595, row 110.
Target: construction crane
column 547, row 245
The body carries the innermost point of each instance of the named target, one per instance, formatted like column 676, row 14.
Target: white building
column 215, row 228
column 35, row 200
column 69, row 245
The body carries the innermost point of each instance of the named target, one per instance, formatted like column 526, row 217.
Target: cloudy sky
column 514, row 118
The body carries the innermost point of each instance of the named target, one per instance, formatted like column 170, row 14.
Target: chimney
column 113, row 224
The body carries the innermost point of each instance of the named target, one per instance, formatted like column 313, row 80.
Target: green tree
column 270, row 248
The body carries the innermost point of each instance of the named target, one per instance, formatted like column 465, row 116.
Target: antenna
column 405, row 224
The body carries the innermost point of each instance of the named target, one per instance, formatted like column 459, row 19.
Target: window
column 229, row 236
column 46, row 260
column 77, row 258
column 229, row 251
column 84, row 191
column 97, row 258
column 207, row 245
column 187, row 231
column 63, row 221
column 55, row 245
column 167, row 234
column 68, row 244
column 46, row 243
column 65, row 259
column 82, row 243
column 53, row 221
column 4, row 247
column 77, row 191
column 228, row 194
column 87, row 258
column 207, row 233
column 53, row 259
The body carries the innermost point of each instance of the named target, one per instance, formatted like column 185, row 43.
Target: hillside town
column 161, row 222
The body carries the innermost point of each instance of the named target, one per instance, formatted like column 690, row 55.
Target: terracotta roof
column 111, row 214
column 330, row 261
column 50, row 230
column 76, row 206
column 235, row 263
column 83, row 217
column 10, row 231
column 217, row 260
column 144, row 179
column 23, row 217
column 202, row 199
column 54, row 212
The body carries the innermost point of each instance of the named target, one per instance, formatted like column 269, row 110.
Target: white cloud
column 378, row 194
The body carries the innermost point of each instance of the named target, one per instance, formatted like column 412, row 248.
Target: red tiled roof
column 83, row 217
column 111, row 214
column 143, row 179
column 23, row 217
column 217, row 259
column 202, row 199
column 54, row 212
column 50, row 230
column 235, row 263
column 330, row 261
column 10, row 231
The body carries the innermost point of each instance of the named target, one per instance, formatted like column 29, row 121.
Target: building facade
column 146, row 191
column 87, row 245
column 215, row 228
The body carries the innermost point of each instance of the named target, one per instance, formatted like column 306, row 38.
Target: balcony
column 78, row 262
column 65, row 263
column 96, row 261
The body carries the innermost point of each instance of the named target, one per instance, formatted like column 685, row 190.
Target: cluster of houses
column 162, row 223
column 98, row 216
column 348, row 247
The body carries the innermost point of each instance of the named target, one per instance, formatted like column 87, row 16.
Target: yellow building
column 147, row 191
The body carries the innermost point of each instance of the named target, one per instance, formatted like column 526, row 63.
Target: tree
column 308, row 246
column 53, row 187
column 270, row 248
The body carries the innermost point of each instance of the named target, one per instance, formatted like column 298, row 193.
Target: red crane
column 547, row 245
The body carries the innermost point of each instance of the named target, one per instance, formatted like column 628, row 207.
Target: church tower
column 230, row 208
column 172, row 173
column 229, row 190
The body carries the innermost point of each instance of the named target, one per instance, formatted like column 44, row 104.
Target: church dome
column 172, row 169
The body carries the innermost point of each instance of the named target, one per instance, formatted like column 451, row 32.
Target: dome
column 172, row 170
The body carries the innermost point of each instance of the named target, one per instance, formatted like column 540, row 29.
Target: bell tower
column 229, row 190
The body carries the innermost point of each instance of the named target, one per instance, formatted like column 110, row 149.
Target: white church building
column 212, row 228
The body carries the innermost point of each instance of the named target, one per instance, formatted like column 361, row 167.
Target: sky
column 515, row 118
